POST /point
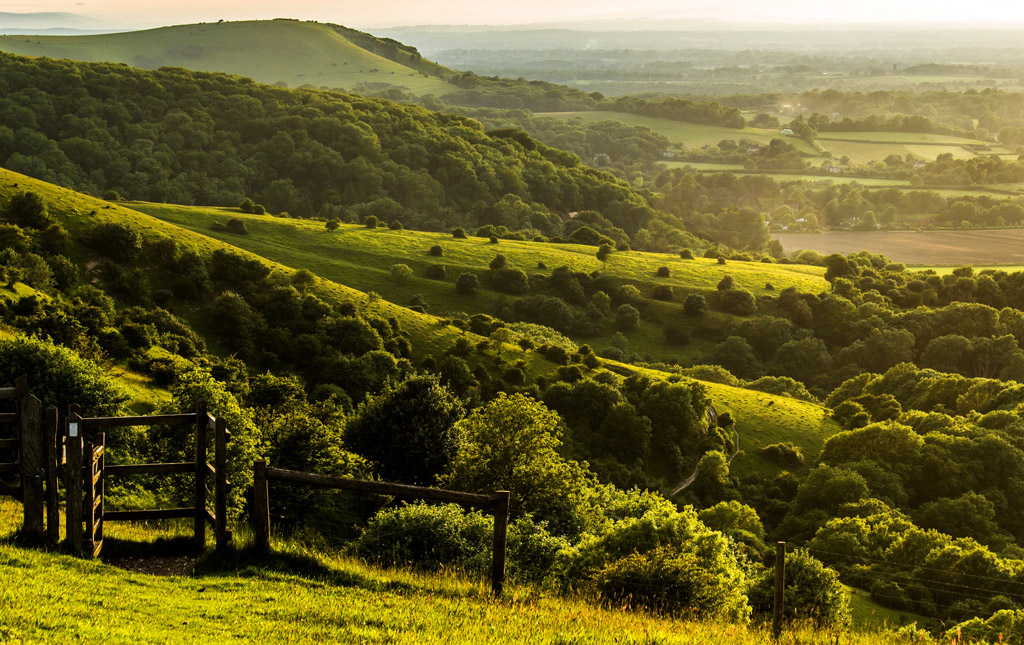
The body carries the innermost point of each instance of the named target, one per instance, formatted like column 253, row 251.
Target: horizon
column 600, row 14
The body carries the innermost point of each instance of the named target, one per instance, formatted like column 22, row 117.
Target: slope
column 270, row 51
column 763, row 418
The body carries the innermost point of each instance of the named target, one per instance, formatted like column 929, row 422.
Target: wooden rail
column 496, row 504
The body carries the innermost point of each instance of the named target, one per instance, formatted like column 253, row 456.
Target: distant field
column 690, row 134
column 943, row 248
column 268, row 51
column 867, row 152
column 898, row 137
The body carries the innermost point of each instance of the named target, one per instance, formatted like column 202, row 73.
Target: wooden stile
column 33, row 468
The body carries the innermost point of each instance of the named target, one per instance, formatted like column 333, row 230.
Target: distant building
column 787, row 131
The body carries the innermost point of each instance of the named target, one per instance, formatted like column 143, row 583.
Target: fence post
column 780, row 587
column 260, row 505
column 89, row 503
column 33, row 462
column 220, row 501
column 501, row 503
column 73, row 480
column 54, row 459
column 200, row 495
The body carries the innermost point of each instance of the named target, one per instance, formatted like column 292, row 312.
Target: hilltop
column 290, row 52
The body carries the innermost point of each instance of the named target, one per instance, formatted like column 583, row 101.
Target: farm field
column 867, row 152
column 898, row 137
column 985, row 247
column 690, row 134
column 269, row 51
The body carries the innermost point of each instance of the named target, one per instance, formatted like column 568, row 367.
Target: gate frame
column 84, row 499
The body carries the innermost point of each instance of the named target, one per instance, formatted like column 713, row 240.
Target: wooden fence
column 496, row 504
column 85, row 482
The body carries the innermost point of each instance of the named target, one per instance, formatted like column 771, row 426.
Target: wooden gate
column 86, row 509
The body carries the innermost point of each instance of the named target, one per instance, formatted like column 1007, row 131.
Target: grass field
column 300, row 594
column 861, row 153
column 984, row 247
column 693, row 135
column 297, row 53
column 898, row 137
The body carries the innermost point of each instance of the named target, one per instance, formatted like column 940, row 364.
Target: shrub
column 786, row 454
column 428, row 536
column 400, row 272
column 436, row 250
column 721, row 260
column 486, row 230
column 332, row 225
column 510, row 280
column 112, row 196
column 768, row 286
column 739, row 301
column 604, row 251
column 371, row 221
column 663, row 292
column 467, row 283
column 435, row 271
column 813, row 592
column 459, row 233
column 237, row 227
column 726, row 283
column 395, row 225
column 694, row 305
column 499, row 262
column 494, row 239
column 627, row 318
column 541, row 265
column 686, row 254
column 664, row 272
column 252, row 208
column 116, row 241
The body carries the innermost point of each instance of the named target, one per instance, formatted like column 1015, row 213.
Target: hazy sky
column 385, row 13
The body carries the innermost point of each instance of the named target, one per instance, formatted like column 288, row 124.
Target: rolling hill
column 270, row 51
column 762, row 418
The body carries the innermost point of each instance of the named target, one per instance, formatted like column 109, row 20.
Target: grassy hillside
column 269, row 51
column 361, row 258
column 348, row 272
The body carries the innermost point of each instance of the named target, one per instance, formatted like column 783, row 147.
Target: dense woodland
column 913, row 500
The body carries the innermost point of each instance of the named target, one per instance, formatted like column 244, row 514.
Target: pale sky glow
column 387, row 13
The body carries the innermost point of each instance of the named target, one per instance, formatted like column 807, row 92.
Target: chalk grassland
column 361, row 258
column 269, row 51
column 310, row 595
column 985, row 247
column 784, row 419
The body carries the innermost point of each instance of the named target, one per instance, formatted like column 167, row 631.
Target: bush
column 237, row 227
column 371, row 221
column 604, row 251
column 27, row 210
column 727, row 282
column 695, row 305
column 400, row 272
column 459, row 233
column 494, row 239
column 467, row 283
column 510, row 280
column 112, row 196
column 116, row 241
column 663, row 292
column 664, row 272
column 673, row 580
column 813, row 592
column 627, row 318
column 332, row 225
column 252, row 208
column 436, row 250
column 499, row 262
column 435, row 272
column 428, row 536
column 768, row 286
column 786, row 454
column 686, row 254
column 721, row 260
column 486, row 230
column 395, row 225
column 542, row 266
column 739, row 301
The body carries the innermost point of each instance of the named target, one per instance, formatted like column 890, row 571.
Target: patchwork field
column 986, row 247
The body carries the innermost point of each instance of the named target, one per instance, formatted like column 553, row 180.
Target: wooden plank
column 8, row 417
column 211, row 422
column 73, row 482
column 210, row 470
column 500, row 542
column 97, row 547
column 150, row 469
column 200, row 418
column 51, row 437
column 382, row 488
column 9, row 468
column 211, row 518
column 261, row 505
column 220, row 483
column 8, row 444
column 12, row 490
column 33, row 468
column 101, row 423
column 148, row 514
column 8, row 393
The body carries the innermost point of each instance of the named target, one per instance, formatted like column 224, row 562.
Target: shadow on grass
column 255, row 563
